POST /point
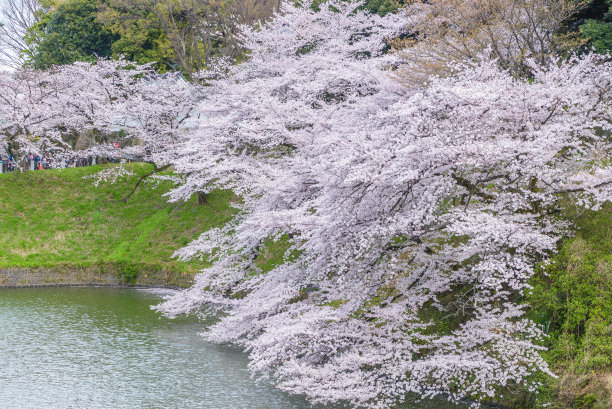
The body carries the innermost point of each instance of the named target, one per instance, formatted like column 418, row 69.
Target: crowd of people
column 36, row 162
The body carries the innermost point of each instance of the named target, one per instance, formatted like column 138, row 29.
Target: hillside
column 58, row 219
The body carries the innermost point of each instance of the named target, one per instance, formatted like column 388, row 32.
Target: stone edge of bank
column 84, row 276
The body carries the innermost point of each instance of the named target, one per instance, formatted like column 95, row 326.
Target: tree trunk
column 202, row 198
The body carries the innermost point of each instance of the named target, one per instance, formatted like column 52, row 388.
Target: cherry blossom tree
column 155, row 112
column 412, row 217
column 41, row 109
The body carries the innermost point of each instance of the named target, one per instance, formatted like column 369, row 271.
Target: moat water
column 105, row 348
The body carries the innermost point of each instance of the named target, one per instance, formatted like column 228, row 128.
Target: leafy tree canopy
column 140, row 38
column 67, row 34
column 380, row 7
column 599, row 31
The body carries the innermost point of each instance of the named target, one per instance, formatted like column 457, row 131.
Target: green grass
column 572, row 299
column 56, row 218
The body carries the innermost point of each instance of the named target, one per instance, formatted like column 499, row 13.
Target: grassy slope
column 55, row 218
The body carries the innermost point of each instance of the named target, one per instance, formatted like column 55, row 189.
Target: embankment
column 94, row 276
column 58, row 228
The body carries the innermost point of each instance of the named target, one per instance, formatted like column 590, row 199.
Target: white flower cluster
column 109, row 175
column 414, row 216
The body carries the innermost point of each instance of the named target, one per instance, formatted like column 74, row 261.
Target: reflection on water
column 105, row 348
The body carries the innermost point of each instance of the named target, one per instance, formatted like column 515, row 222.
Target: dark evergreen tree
column 67, row 34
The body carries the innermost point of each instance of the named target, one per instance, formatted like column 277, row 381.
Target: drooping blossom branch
column 413, row 217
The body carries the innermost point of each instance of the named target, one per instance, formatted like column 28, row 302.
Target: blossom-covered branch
column 43, row 112
column 413, row 217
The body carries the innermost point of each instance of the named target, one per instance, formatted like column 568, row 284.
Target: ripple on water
column 105, row 348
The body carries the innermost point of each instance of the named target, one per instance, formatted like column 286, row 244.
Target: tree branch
column 143, row 177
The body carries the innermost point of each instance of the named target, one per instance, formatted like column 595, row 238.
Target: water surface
column 105, row 348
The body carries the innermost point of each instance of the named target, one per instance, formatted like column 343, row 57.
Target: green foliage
column 456, row 311
column 383, row 7
column 273, row 253
column 572, row 299
column 56, row 218
column 336, row 303
column 67, row 34
column 127, row 271
column 139, row 38
column 586, row 401
column 303, row 294
column 599, row 31
column 380, row 7
column 83, row 30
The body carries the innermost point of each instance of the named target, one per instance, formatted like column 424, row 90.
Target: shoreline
column 66, row 276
